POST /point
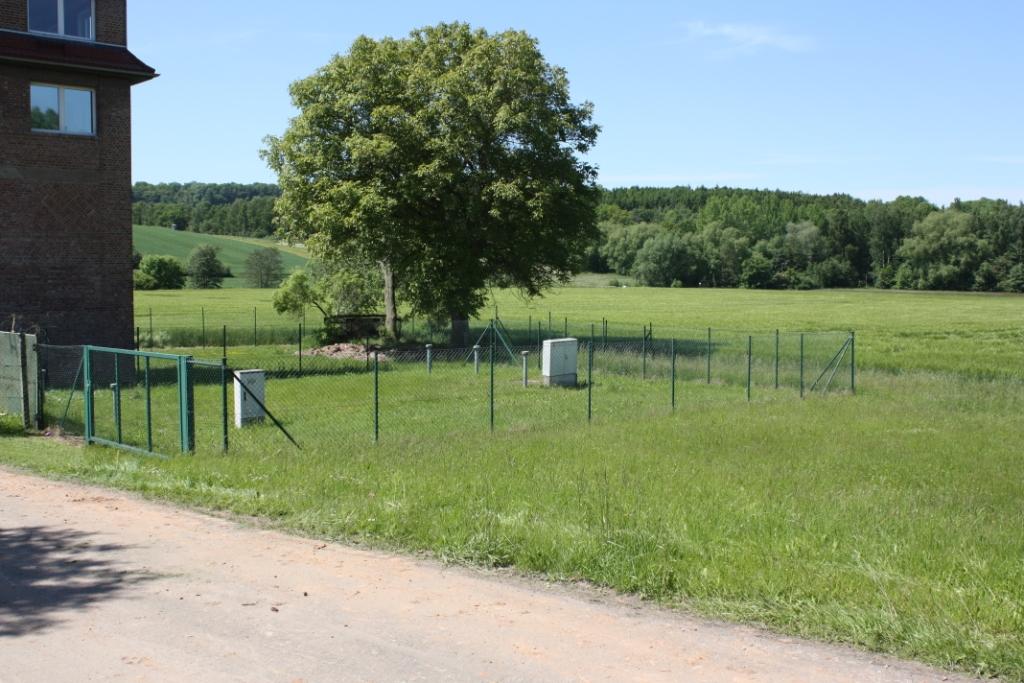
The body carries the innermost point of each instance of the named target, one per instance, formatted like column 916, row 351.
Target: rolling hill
column 149, row 239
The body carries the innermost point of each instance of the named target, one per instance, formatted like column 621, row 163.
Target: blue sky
column 876, row 99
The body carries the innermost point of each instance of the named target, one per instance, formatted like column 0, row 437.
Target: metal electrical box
column 558, row 366
column 248, row 409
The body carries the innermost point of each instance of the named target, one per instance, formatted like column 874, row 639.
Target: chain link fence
column 164, row 404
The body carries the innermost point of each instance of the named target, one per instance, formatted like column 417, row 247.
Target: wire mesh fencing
column 404, row 394
column 164, row 403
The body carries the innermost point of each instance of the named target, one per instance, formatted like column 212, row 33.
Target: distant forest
column 720, row 237
column 216, row 208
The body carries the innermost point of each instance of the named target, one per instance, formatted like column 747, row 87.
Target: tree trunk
column 390, row 307
column 459, row 338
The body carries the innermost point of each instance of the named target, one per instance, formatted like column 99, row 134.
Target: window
column 62, row 110
column 71, row 18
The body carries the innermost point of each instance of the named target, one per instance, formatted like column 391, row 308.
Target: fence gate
column 19, row 378
column 141, row 401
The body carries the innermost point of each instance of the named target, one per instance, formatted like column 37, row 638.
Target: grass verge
column 890, row 521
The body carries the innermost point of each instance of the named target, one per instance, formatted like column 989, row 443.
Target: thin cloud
column 748, row 37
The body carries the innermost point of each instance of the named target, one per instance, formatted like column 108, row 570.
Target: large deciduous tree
column 451, row 158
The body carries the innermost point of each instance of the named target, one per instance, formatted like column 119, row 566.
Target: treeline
column 217, row 208
column 725, row 237
column 719, row 237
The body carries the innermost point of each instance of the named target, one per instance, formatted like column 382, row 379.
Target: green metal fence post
column 776, row 359
column 376, row 397
column 300, row 348
column 750, row 362
column 26, row 399
column 801, row 365
column 150, row 327
column 87, row 394
column 224, row 403
column 430, row 357
column 41, row 385
column 149, row 408
column 491, row 391
column 590, row 382
column 190, row 404
column 254, row 326
column 203, row 309
column 643, row 355
column 853, row 362
column 186, row 405
column 116, row 391
column 224, row 341
column 540, row 345
column 709, row 355
column 672, row 345
column 566, row 333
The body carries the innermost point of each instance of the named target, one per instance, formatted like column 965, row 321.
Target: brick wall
column 14, row 14
column 111, row 22
column 111, row 19
column 65, row 216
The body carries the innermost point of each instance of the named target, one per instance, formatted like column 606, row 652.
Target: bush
column 1014, row 280
column 166, row 272
column 143, row 281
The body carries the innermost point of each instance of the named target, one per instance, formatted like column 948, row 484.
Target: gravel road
column 98, row 585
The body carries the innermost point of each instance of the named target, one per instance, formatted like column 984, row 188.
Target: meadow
column 232, row 251
column 971, row 334
column 889, row 519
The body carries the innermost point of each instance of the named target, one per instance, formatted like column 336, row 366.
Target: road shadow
column 46, row 571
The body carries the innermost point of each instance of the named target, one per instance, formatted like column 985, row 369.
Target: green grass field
column 974, row 334
column 890, row 519
column 148, row 239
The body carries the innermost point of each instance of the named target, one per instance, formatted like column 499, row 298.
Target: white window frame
column 61, row 108
column 60, row 23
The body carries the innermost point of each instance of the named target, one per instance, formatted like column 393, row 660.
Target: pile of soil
column 344, row 351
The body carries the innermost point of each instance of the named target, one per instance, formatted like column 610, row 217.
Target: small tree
column 205, row 270
column 161, row 272
column 333, row 288
column 264, row 268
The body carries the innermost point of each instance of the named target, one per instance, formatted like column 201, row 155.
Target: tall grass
column 890, row 520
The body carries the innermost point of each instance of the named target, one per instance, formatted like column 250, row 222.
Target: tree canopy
column 264, row 268
column 450, row 157
column 159, row 272
column 205, row 270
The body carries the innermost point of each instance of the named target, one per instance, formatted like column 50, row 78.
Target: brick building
column 65, row 170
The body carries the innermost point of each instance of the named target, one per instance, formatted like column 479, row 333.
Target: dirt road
column 98, row 585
